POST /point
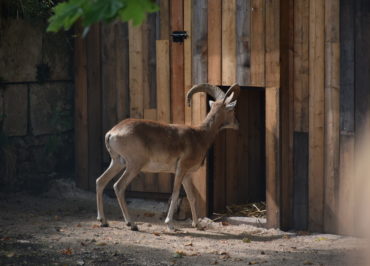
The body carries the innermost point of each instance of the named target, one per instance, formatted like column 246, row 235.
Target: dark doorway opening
column 237, row 161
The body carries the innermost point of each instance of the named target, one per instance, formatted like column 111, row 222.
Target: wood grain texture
column 177, row 64
column 187, row 58
column 164, row 15
column 243, row 39
column 81, row 115
column 272, row 46
column 94, row 109
column 214, row 41
column 287, row 123
column 228, row 42
column 163, row 100
column 316, row 115
column 258, row 43
column 273, row 158
column 332, row 96
column 301, row 67
column 199, row 75
column 136, row 71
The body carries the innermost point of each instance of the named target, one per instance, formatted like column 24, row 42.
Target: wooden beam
column 273, row 158
column 316, row 115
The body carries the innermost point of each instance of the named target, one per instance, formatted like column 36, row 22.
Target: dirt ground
column 60, row 228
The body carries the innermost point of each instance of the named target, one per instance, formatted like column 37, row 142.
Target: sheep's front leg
column 175, row 196
column 190, row 193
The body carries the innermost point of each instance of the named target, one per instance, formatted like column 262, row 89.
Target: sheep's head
column 223, row 108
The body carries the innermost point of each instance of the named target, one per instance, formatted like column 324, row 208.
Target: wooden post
column 272, row 107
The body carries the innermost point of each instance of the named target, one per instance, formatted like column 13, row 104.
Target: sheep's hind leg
column 113, row 169
column 120, row 188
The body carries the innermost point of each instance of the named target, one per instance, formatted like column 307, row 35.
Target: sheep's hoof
column 104, row 225
column 134, row 227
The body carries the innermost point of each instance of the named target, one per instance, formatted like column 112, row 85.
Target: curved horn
column 235, row 89
column 212, row 90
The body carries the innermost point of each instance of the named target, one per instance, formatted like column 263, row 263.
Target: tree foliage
column 92, row 11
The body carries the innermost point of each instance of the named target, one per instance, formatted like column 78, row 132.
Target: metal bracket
column 179, row 36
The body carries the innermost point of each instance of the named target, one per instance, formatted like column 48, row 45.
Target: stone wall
column 36, row 104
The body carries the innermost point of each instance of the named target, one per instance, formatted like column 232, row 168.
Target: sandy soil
column 59, row 228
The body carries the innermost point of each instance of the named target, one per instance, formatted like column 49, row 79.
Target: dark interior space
column 240, row 178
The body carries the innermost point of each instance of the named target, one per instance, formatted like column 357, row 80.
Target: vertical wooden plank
column 163, row 99
column 347, row 117
column 316, row 115
column 332, row 95
column 94, row 105
column 228, row 42
column 122, row 71
column 187, row 58
column 164, row 14
column 80, row 115
column 272, row 43
column 272, row 32
column 347, row 69
column 272, row 158
column 258, row 43
column 243, row 38
column 228, row 78
column 199, row 75
column 177, row 64
column 362, row 67
column 138, row 82
column 109, row 89
column 214, row 77
column 300, row 205
column 286, row 101
column 136, row 71
column 301, row 32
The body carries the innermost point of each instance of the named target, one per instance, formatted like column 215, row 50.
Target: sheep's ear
column 231, row 105
column 210, row 102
